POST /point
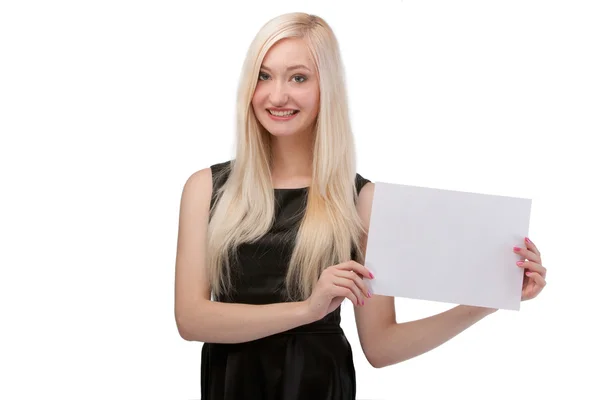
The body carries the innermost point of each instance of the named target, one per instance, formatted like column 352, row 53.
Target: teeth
column 281, row 113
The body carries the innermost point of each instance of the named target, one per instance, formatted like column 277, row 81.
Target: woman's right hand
column 336, row 283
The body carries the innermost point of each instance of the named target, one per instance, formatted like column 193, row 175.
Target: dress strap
column 220, row 173
column 360, row 181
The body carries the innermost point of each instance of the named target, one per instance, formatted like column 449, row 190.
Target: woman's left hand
column 535, row 274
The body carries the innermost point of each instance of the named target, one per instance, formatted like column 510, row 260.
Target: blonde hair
column 330, row 229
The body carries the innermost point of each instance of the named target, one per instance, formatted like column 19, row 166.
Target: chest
column 259, row 268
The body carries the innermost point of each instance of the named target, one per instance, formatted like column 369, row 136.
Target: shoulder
column 365, row 190
column 220, row 172
column 198, row 187
column 222, row 166
column 216, row 175
column 360, row 182
column 202, row 184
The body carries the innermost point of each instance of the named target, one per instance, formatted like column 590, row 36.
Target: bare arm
column 399, row 342
column 197, row 317
column 216, row 322
column 386, row 342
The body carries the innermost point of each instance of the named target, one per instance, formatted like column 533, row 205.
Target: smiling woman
column 274, row 236
column 272, row 242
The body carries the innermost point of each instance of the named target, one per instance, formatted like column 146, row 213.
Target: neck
column 291, row 157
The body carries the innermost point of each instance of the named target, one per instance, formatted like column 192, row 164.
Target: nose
column 278, row 94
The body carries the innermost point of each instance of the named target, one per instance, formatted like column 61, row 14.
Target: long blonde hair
column 330, row 228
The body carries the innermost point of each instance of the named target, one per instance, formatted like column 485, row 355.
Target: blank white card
column 447, row 246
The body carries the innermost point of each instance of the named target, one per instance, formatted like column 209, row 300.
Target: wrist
column 305, row 314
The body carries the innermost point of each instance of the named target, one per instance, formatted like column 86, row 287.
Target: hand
column 337, row 282
column 535, row 274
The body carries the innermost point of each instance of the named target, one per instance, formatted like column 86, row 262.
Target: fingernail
column 520, row 263
column 527, row 240
column 516, row 248
column 369, row 294
column 362, row 302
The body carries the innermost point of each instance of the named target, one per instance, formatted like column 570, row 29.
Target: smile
column 283, row 115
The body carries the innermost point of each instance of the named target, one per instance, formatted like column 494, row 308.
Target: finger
column 357, row 280
column 342, row 291
column 528, row 254
column 356, row 267
column 531, row 246
column 349, row 283
column 534, row 267
column 537, row 278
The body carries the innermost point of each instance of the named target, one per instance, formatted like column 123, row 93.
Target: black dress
column 310, row 362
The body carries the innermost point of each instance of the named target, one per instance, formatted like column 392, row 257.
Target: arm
column 197, row 317
column 386, row 342
column 400, row 342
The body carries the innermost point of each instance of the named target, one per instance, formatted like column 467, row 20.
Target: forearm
column 403, row 341
column 218, row 322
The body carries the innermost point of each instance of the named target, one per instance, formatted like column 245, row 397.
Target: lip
column 273, row 117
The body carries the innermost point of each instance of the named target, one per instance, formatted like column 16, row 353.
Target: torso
column 298, row 364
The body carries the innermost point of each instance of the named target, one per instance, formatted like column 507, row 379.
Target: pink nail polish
column 520, row 263
column 527, row 240
column 517, row 248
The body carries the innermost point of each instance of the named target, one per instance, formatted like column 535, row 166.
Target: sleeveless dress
column 310, row 362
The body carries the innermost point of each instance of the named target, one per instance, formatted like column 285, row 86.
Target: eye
column 263, row 76
column 303, row 78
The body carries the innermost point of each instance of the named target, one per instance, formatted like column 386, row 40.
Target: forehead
column 291, row 51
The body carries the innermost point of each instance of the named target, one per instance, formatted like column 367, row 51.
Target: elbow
column 191, row 324
column 184, row 327
column 381, row 362
column 184, row 333
column 374, row 357
column 186, row 336
column 380, row 357
column 377, row 361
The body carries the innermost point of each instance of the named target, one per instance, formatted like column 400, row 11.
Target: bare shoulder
column 367, row 191
column 195, row 198
column 365, row 202
column 199, row 183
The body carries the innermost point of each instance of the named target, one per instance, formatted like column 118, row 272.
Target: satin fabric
column 311, row 362
column 290, row 366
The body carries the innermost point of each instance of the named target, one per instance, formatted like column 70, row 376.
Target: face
column 286, row 98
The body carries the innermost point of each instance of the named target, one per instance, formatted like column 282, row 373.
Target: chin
column 282, row 132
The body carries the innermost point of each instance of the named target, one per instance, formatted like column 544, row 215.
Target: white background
column 107, row 107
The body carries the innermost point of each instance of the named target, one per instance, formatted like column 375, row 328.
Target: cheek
column 315, row 97
column 314, row 102
column 310, row 99
column 257, row 97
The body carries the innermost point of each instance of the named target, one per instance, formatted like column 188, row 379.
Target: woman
column 278, row 236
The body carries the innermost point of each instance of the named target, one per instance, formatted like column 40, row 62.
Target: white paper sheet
column 447, row 246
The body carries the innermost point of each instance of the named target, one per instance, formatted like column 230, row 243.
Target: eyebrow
column 298, row 66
